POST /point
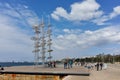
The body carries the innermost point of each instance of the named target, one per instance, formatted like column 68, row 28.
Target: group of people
column 99, row 66
column 68, row 64
column 52, row 64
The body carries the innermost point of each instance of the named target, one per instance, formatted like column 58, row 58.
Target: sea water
column 8, row 64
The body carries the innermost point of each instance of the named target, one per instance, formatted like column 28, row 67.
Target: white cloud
column 87, row 10
column 80, row 44
column 55, row 17
column 66, row 30
column 81, row 11
column 14, row 42
column 15, row 38
column 61, row 12
column 71, row 31
column 116, row 12
column 20, row 12
column 102, row 20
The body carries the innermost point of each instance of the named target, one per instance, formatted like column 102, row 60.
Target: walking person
column 97, row 65
column 54, row 64
column 101, row 65
column 65, row 64
column 71, row 63
column 68, row 64
column 51, row 64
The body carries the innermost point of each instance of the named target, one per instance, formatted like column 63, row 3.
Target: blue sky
column 79, row 27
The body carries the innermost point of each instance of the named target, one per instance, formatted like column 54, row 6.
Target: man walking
column 97, row 65
column 101, row 65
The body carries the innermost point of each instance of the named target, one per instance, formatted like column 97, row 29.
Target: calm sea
column 8, row 64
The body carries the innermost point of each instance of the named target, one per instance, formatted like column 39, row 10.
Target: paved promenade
column 76, row 71
column 111, row 73
column 60, row 68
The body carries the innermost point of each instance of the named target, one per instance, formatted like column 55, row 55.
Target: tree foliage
column 108, row 58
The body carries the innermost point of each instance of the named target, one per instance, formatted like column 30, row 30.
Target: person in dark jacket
column 101, row 65
column 97, row 65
